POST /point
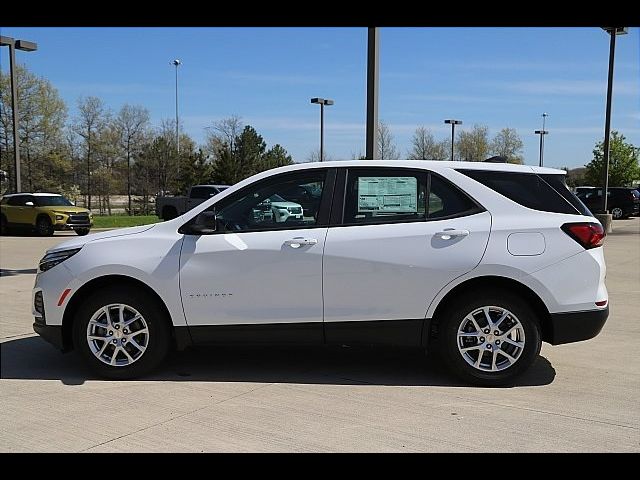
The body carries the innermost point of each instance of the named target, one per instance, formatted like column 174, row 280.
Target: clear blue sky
column 495, row 76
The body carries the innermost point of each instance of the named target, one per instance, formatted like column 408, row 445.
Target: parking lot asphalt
column 578, row 397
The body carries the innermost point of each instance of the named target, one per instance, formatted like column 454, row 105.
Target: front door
column 406, row 235
column 259, row 278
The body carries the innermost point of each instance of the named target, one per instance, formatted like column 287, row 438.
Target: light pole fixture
column 25, row 46
column 542, row 133
column 613, row 32
column 322, row 102
column 453, row 124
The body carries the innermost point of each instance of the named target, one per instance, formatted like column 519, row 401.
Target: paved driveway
column 580, row 397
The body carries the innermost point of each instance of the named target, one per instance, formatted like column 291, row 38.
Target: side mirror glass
column 29, row 204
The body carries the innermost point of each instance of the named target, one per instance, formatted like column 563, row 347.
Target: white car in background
column 480, row 262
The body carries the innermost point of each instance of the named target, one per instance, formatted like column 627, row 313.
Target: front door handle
column 450, row 233
column 298, row 242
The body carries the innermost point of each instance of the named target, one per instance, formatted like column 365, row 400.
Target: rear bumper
column 572, row 327
column 51, row 333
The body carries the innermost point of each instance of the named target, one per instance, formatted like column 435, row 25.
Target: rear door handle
column 298, row 242
column 450, row 233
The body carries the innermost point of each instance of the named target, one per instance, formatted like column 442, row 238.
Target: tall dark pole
column 373, row 44
column 322, row 102
column 16, row 116
column 607, row 121
column 453, row 124
column 25, row 46
column 322, row 132
column 177, row 63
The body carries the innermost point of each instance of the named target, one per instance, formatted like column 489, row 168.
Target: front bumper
column 51, row 333
column 572, row 327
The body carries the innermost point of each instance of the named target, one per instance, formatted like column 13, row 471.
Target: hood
column 118, row 232
column 65, row 209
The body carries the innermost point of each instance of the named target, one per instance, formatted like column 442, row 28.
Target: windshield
column 51, row 201
column 276, row 198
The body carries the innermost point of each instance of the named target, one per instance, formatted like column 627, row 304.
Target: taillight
column 589, row 235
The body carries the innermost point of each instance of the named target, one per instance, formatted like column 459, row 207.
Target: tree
column 92, row 118
column 386, row 147
column 275, row 157
column 623, row 162
column 473, row 146
column 425, row 147
column 314, row 156
column 250, row 147
column 507, row 143
column 224, row 131
column 131, row 123
column 42, row 117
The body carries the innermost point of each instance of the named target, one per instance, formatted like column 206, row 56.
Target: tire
column 44, row 227
column 152, row 347
column 4, row 229
column 82, row 231
column 617, row 213
column 505, row 370
column 169, row 213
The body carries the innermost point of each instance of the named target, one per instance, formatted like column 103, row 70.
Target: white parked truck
column 168, row 208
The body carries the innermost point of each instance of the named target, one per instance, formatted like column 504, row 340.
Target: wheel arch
column 101, row 282
column 495, row 283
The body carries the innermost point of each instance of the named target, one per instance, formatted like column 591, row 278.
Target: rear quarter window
column 546, row 193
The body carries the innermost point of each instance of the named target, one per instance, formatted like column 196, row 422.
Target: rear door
column 404, row 235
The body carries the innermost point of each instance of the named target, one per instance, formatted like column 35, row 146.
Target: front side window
column 272, row 205
column 51, row 201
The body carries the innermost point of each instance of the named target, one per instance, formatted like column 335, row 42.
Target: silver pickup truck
column 168, row 208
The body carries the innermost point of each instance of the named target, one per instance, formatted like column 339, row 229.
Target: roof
column 427, row 164
column 40, row 194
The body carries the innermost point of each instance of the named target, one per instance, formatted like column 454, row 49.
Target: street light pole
column 322, row 102
column 542, row 133
column 613, row 32
column 177, row 63
column 373, row 68
column 453, row 124
column 26, row 46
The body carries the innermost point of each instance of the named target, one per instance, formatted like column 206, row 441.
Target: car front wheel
column 121, row 333
column 82, row 231
column 489, row 339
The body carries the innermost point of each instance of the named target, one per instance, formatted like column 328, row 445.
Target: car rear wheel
column 121, row 333
column 82, row 231
column 489, row 339
column 617, row 213
column 44, row 227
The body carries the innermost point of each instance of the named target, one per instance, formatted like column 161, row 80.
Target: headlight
column 52, row 259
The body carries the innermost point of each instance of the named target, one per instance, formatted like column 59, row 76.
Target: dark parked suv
column 622, row 202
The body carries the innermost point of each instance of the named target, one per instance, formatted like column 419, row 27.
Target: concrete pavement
column 579, row 397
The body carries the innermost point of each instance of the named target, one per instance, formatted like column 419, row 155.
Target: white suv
column 480, row 262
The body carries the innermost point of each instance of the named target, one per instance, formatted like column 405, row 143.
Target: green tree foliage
column 507, row 143
column 473, row 145
column 42, row 118
column 623, row 163
column 277, row 156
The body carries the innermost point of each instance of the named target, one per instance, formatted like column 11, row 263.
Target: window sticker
column 388, row 194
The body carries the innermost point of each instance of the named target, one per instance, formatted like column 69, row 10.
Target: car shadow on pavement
column 32, row 359
column 8, row 272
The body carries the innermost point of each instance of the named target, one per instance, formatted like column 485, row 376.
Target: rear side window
column 203, row 192
column 558, row 183
column 529, row 190
column 18, row 200
column 385, row 196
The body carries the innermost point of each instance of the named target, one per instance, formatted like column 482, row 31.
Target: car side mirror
column 205, row 223
column 29, row 204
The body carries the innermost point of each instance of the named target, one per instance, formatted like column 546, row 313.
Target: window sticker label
column 388, row 194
